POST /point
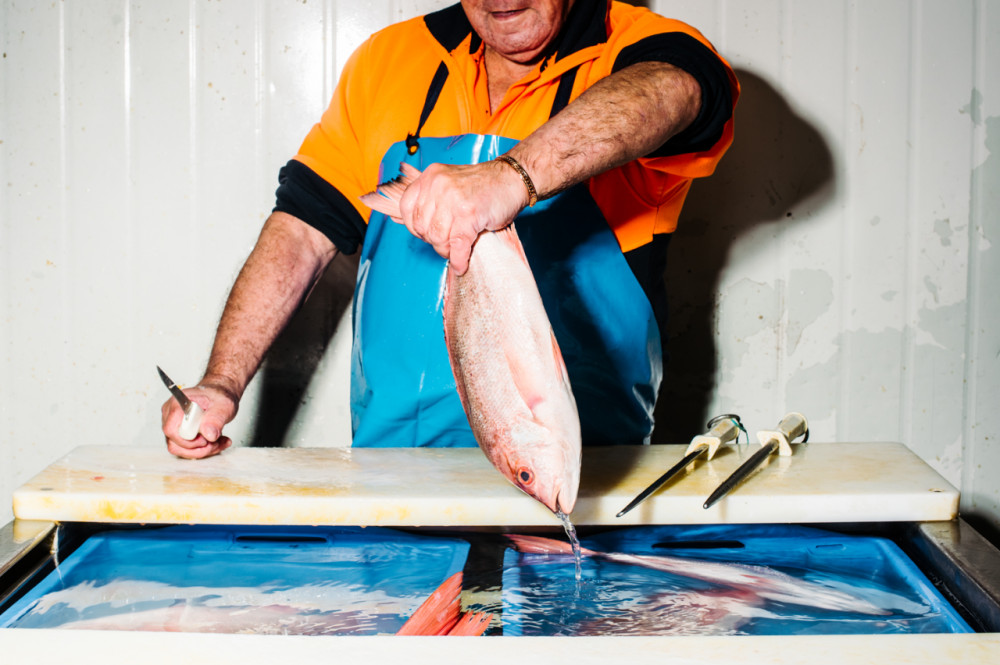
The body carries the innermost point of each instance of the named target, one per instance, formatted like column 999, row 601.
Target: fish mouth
column 551, row 502
column 558, row 506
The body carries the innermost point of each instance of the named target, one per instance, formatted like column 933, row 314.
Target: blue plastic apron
column 402, row 388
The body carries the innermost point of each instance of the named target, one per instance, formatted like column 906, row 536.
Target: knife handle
column 791, row 427
column 723, row 429
column 188, row 429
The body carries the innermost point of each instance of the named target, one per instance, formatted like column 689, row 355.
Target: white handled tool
column 192, row 412
column 722, row 429
column 791, row 427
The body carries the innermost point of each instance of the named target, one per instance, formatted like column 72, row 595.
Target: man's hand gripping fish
column 509, row 371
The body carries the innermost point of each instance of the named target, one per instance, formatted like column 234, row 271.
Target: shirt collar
column 586, row 26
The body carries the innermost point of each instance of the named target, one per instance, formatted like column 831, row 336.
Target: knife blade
column 192, row 411
column 740, row 473
column 687, row 459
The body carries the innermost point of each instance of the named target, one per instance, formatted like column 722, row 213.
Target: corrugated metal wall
column 839, row 263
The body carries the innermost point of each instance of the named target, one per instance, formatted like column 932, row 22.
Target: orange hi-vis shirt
column 383, row 88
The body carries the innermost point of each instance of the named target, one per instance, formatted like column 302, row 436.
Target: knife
column 192, row 412
column 721, row 429
column 791, row 427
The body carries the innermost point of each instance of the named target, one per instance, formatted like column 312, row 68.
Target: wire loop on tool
column 791, row 427
column 736, row 421
column 721, row 429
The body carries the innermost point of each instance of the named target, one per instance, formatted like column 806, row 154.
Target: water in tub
column 640, row 581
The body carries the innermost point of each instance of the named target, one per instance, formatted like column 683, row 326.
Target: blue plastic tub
column 347, row 581
column 724, row 580
column 729, row 580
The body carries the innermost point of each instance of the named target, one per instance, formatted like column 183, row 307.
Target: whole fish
column 763, row 582
column 510, row 374
column 238, row 610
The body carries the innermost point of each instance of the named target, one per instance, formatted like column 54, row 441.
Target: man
column 599, row 112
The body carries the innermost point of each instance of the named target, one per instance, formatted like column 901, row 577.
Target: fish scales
column 507, row 369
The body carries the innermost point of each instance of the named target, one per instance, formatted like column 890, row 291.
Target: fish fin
column 439, row 613
column 560, row 362
column 409, row 172
column 540, row 545
column 385, row 198
column 449, row 287
column 472, row 624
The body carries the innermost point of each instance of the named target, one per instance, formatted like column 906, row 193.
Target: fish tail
column 385, row 198
column 471, row 624
column 539, row 545
column 439, row 613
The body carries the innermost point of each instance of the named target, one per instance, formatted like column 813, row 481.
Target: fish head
column 542, row 463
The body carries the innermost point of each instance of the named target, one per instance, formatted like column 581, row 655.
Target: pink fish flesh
column 510, row 374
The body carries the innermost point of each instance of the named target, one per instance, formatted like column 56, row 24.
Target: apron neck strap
column 437, row 83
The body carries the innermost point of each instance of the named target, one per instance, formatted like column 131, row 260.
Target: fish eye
column 525, row 476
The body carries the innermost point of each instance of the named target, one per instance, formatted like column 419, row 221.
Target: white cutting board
column 820, row 482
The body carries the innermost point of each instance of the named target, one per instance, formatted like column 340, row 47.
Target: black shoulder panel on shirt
column 450, row 26
column 686, row 52
column 584, row 27
column 304, row 194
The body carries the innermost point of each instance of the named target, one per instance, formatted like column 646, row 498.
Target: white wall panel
column 875, row 166
column 98, row 336
column 939, row 238
column 35, row 254
column 980, row 488
column 841, row 261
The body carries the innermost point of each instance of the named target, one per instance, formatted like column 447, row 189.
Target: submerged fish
column 182, row 617
column 210, row 612
column 711, row 612
column 763, row 582
column 509, row 371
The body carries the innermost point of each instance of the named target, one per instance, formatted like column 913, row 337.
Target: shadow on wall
column 778, row 163
column 296, row 354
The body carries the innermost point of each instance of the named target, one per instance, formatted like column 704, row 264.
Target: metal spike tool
column 721, row 429
column 790, row 428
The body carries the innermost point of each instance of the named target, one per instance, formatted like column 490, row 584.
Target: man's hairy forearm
column 624, row 116
column 287, row 261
